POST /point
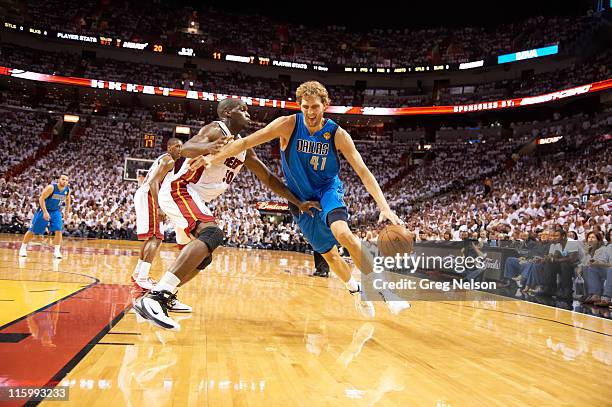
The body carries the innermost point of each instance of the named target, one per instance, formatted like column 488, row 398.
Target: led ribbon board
column 528, row 54
column 282, row 104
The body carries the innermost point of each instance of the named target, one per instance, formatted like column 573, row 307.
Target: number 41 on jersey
column 314, row 161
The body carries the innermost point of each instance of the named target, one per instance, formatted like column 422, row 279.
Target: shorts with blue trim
column 315, row 228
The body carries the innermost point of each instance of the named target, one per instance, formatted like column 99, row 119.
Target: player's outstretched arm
column 263, row 173
column 344, row 144
column 46, row 193
column 209, row 140
column 165, row 165
column 281, row 127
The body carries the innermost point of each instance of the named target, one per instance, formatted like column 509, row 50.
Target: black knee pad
column 205, row 263
column 212, row 237
column 337, row 214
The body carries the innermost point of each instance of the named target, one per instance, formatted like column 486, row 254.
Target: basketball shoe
column 395, row 303
column 153, row 307
column 365, row 307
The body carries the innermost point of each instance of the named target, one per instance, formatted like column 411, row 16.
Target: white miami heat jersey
column 147, row 181
column 209, row 183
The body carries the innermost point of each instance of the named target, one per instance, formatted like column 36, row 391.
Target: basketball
column 395, row 239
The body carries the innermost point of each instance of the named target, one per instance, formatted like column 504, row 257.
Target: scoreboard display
column 148, row 141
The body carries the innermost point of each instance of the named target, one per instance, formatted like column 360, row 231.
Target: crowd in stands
column 535, row 194
column 21, row 136
column 451, row 167
column 209, row 29
column 454, row 165
column 578, row 164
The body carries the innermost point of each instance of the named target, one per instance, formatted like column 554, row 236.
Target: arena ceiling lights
column 182, row 130
column 69, row 118
column 251, row 101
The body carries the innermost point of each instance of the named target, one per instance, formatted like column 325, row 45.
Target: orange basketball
column 395, row 239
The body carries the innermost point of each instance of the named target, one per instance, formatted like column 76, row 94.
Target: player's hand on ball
column 46, row 216
column 306, row 205
column 198, row 162
column 391, row 216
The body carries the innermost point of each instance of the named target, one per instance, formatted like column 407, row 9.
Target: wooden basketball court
column 264, row 333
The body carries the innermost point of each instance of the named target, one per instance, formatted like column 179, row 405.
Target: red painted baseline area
column 59, row 336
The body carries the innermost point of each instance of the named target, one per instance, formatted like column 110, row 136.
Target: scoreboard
column 148, row 141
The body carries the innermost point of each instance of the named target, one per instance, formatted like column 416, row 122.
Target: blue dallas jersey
column 57, row 198
column 310, row 162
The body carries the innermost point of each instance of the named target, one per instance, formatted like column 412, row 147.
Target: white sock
column 168, row 282
column 352, row 284
column 24, row 246
column 136, row 269
column 143, row 273
column 57, row 248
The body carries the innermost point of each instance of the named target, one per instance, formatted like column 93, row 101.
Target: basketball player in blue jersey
column 311, row 147
column 49, row 214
